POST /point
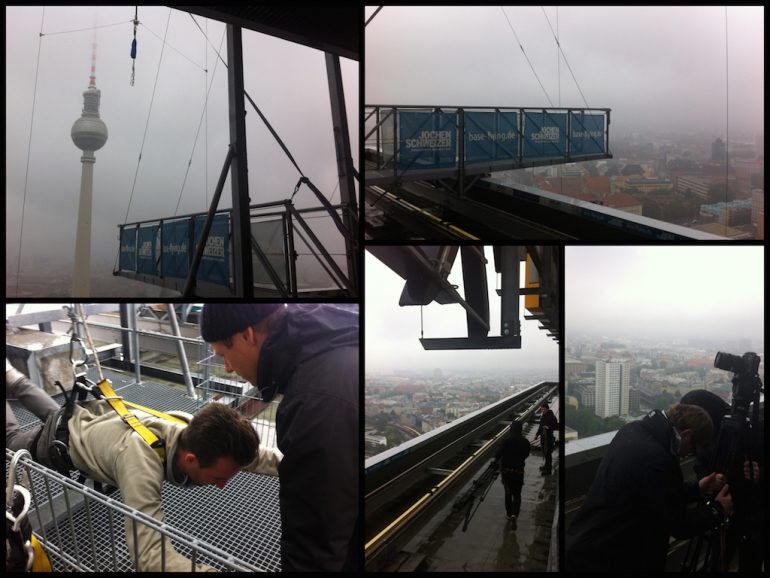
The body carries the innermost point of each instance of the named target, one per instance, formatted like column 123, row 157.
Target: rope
column 133, row 45
column 197, row 133
column 147, row 124
column 527, row 57
column 90, row 341
column 29, row 151
column 84, row 29
column 280, row 142
column 565, row 57
column 256, row 108
column 190, row 60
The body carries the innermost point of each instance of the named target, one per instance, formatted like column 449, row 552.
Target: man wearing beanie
column 308, row 353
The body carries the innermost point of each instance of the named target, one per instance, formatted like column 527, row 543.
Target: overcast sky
column 706, row 292
column 393, row 332
column 655, row 67
column 287, row 81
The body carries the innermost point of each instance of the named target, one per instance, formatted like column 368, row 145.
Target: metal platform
column 242, row 520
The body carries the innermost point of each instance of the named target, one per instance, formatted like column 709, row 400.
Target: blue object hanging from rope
column 133, row 45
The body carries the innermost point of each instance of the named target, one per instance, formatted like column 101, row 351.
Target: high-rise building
column 718, row 150
column 89, row 133
column 613, row 379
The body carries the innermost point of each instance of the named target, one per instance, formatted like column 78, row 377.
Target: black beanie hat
column 714, row 405
column 222, row 320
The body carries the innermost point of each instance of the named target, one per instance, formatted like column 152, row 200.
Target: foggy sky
column 286, row 80
column 393, row 332
column 708, row 292
column 655, row 67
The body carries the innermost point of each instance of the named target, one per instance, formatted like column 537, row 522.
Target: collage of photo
column 311, row 289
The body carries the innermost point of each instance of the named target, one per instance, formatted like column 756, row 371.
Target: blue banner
column 491, row 136
column 176, row 250
column 545, row 134
column 587, row 134
column 427, row 140
column 215, row 264
column 146, row 261
column 128, row 249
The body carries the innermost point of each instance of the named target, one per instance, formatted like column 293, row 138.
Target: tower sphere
column 89, row 133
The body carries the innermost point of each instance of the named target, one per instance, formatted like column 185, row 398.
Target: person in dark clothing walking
column 548, row 425
column 510, row 460
column 308, row 353
column 638, row 498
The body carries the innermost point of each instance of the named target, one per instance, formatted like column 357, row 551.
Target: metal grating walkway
column 243, row 519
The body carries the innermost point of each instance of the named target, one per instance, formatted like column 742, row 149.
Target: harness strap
column 117, row 403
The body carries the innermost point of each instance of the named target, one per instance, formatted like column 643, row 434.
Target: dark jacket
column 513, row 452
column 637, row 500
column 548, row 419
column 312, row 357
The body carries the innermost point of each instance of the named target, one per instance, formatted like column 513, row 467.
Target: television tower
column 89, row 133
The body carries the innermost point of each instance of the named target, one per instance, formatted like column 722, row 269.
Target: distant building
column 646, row 185
column 624, row 202
column 718, row 150
column 613, row 380
column 633, row 401
column 757, row 205
column 689, row 184
column 588, row 397
column 730, row 214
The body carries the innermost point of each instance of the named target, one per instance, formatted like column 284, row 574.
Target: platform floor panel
column 492, row 542
column 242, row 519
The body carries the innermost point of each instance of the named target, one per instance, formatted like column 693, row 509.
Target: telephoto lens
column 729, row 362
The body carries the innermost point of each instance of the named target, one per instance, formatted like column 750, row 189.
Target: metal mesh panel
column 243, row 519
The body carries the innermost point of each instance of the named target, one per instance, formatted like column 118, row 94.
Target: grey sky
column 707, row 292
column 655, row 67
column 393, row 332
column 286, row 80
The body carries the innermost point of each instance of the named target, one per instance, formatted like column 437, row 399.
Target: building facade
column 613, row 380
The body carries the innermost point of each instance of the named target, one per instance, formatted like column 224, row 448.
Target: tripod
column 735, row 443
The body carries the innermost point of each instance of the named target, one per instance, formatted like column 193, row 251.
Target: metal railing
column 468, row 143
column 289, row 257
column 217, row 383
column 79, row 527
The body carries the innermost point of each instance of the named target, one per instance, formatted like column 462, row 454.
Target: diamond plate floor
column 242, row 519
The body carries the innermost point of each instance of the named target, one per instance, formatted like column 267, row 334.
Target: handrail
column 89, row 496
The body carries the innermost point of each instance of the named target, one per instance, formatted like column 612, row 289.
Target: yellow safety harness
column 119, row 405
column 108, row 394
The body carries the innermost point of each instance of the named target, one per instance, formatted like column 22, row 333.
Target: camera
column 746, row 383
column 747, row 365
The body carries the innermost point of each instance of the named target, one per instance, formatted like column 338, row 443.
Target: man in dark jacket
column 309, row 354
column 638, row 498
column 548, row 425
column 510, row 459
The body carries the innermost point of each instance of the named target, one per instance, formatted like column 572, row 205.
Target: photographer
column 638, row 498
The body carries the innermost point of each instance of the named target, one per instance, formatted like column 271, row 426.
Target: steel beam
column 241, row 222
